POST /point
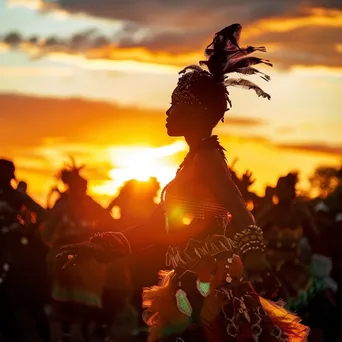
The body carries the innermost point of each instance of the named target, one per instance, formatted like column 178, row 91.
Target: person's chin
column 172, row 133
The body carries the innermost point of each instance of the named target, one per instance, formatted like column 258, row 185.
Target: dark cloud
column 178, row 27
column 154, row 12
column 191, row 13
column 12, row 39
column 309, row 46
column 168, row 41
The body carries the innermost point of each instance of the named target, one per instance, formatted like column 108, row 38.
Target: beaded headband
column 182, row 93
column 224, row 57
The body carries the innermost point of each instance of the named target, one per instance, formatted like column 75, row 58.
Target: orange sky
column 126, row 143
column 95, row 81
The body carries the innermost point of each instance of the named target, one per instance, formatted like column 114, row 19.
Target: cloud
column 285, row 130
column 320, row 148
column 284, row 51
column 156, row 12
column 180, row 13
column 29, row 121
column 314, row 147
column 19, row 71
column 239, row 126
column 244, row 121
column 159, row 47
column 39, row 134
column 60, row 127
column 175, row 32
column 306, row 45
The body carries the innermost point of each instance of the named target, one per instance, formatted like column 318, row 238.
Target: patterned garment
column 210, row 294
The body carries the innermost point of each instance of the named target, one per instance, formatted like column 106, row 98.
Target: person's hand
column 105, row 248
column 82, row 250
column 247, row 179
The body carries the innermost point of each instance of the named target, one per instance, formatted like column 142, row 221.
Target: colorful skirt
column 182, row 308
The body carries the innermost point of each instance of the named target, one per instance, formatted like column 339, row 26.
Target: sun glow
column 140, row 163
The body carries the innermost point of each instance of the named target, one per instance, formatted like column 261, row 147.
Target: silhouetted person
column 136, row 201
column 206, row 296
column 77, row 292
column 24, row 287
column 291, row 237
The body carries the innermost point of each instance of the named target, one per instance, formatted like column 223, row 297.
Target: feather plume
column 193, row 67
column 253, row 71
column 247, row 85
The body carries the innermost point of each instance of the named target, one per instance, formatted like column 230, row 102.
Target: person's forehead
column 175, row 93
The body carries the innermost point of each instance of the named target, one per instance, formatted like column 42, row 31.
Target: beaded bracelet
column 250, row 239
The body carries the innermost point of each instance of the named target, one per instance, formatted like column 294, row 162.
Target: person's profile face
column 182, row 119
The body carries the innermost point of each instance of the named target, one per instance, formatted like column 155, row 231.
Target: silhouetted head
column 185, row 116
column 7, row 171
column 286, row 187
column 201, row 99
column 71, row 177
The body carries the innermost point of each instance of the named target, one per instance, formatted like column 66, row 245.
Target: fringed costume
column 205, row 292
column 204, row 295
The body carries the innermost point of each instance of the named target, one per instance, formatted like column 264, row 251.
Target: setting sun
column 140, row 163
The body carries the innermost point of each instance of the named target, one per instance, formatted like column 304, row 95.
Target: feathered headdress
column 70, row 174
column 197, row 85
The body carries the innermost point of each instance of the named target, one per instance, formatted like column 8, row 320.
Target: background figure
column 135, row 201
column 292, row 237
column 76, row 291
column 24, row 286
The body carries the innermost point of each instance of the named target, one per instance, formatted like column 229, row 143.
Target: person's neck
column 194, row 141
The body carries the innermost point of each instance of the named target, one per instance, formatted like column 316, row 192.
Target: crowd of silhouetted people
column 41, row 301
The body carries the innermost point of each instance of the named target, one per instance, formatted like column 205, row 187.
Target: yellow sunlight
column 140, row 163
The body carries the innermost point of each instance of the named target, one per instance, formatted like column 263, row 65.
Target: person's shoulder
column 92, row 202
